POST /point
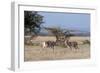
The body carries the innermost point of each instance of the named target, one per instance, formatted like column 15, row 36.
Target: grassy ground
column 36, row 53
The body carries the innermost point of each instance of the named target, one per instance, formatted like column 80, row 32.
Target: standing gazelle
column 72, row 44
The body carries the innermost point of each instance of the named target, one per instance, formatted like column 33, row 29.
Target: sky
column 73, row 21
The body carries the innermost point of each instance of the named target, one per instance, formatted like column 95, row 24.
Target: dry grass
column 36, row 53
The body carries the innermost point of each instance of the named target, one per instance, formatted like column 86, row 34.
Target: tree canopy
column 60, row 33
column 32, row 22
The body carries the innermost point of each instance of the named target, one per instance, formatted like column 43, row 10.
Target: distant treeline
column 74, row 34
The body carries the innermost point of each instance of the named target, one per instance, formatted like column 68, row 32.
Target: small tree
column 32, row 22
column 59, row 33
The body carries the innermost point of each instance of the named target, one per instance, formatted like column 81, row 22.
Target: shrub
column 86, row 42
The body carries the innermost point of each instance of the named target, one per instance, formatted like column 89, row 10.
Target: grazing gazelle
column 72, row 44
column 49, row 44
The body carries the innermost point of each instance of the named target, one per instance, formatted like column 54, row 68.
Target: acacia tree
column 57, row 32
column 32, row 22
column 60, row 33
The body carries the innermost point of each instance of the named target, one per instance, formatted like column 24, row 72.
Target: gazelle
column 71, row 44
